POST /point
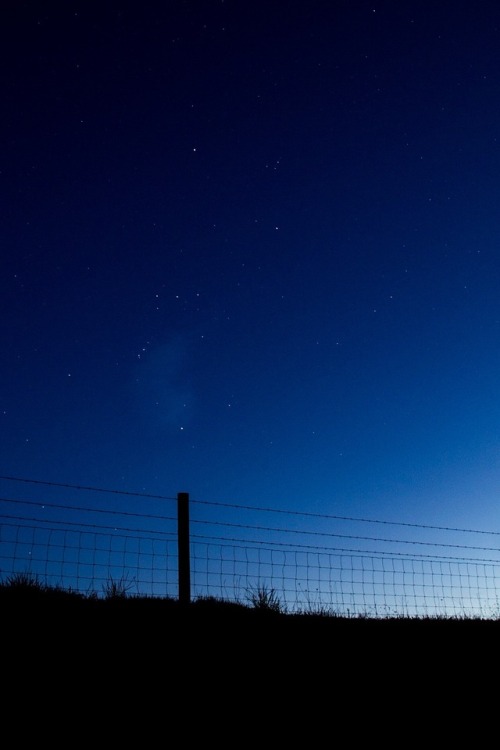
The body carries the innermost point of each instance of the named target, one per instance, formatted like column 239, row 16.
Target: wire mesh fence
column 100, row 548
column 347, row 584
column 90, row 561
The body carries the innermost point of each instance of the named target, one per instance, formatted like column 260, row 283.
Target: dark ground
column 154, row 623
column 229, row 671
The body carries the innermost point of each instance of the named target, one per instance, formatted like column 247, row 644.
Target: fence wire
column 347, row 584
column 89, row 561
column 102, row 549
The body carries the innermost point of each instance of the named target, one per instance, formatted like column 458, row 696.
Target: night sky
column 250, row 251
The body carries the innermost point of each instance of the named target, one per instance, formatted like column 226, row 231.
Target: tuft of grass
column 117, row 588
column 314, row 606
column 265, row 598
column 320, row 610
column 24, row 581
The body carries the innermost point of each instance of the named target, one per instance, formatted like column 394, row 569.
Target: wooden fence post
column 183, row 547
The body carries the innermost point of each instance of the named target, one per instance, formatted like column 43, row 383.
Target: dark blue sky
column 250, row 251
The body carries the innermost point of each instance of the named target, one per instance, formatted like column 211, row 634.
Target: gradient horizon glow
column 253, row 255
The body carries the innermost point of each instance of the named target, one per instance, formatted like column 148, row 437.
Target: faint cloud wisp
column 163, row 394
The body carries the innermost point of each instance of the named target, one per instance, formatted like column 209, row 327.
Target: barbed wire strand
column 378, row 554
column 43, row 504
column 260, row 528
column 345, row 536
column 343, row 518
column 259, row 508
column 84, row 525
column 87, row 488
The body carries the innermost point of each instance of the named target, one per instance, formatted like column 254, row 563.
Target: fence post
column 183, row 547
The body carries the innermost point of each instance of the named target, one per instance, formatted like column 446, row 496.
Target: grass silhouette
column 120, row 639
column 24, row 589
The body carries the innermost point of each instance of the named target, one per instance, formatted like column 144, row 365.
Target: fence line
column 349, row 584
column 87, row 560
column 65, row 544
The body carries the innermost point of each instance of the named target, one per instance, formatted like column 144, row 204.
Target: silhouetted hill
column 134, row 647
